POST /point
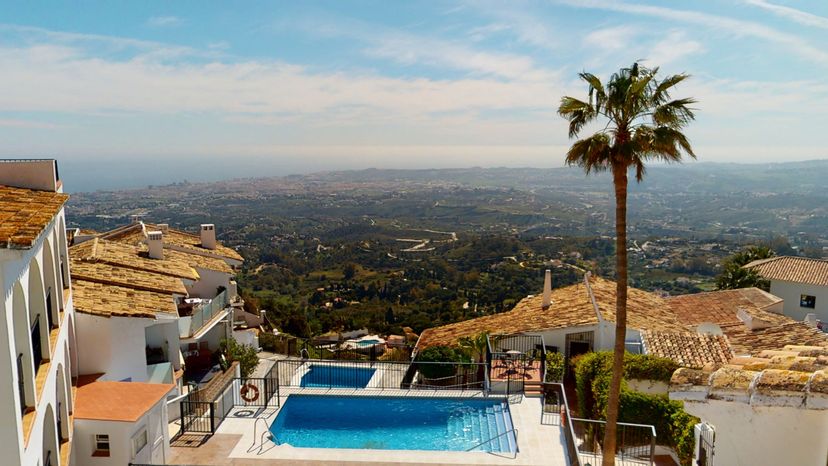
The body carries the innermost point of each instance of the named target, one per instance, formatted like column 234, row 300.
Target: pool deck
column 235, row 442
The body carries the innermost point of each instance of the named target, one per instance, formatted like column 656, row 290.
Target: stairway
column 474, row 427
column 532, row 388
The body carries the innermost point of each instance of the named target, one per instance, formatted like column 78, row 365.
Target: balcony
column 160, row 373
column 197, row 316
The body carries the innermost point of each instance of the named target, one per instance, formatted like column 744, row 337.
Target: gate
column 197, row 416
column 707, row 437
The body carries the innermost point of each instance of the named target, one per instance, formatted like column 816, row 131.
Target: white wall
column 764, row 435
column 207, row 285
column 31, row 174
column 14, row 269
column 790, row 292
column 157, row 450
column 165, row 335
column 116, row 346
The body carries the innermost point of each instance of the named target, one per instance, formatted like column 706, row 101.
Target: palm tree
column 640, row 124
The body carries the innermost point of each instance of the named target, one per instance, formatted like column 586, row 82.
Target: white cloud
column 164, row 21
column 673, row 48
column 611, row 38
column 798, row 16
column 735, row 27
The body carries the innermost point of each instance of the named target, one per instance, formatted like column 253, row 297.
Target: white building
column 119, row 423
column 801, row 282
column 158, row 301
column 765, row 410
column 37, row 341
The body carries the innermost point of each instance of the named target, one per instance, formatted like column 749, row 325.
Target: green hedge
column 445, row 354
column 554, row 367
column 674, row 427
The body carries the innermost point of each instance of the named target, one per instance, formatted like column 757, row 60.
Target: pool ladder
column 261, row 437
column 489, row 441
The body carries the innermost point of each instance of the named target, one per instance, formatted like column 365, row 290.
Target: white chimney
column 208, row 236
column 164, row 227
column 547, row 289
column 155, row 242
column 134, row 218
column 811, row 320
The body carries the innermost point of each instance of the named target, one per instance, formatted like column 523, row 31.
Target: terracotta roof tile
column 135, row 234
column 118, row 401
column 131, row 278
column 124, row 255
column 746, row 341
column 571, row 307
column 688, row 349
column 24, row 214
column 792, row 269
column 720, row 307
column 111, row 300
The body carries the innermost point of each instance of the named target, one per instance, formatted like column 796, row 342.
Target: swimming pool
column 367, row 343
column 394, row 423
column 332, row 376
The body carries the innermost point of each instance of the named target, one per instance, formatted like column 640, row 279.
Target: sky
column 316, row 85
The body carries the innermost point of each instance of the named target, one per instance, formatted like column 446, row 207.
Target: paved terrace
column 235, row 444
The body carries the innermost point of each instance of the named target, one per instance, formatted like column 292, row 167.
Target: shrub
column 673, row 425
column 268, row 341
column 554, row 367
column 244, row 354
column 445, row 354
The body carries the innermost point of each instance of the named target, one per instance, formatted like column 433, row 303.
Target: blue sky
column 395, row 84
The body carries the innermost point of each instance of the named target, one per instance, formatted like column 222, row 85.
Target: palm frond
column 662, row 90
column 578, row 112
column 592, row 153
column 675, row 113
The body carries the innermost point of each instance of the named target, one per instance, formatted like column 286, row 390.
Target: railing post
column 652, row 447
column 181, row 409
column 212, row 418
column 266, row 392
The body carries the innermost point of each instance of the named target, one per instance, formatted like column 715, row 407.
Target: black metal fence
column 301, row 348
column 205, row 416
column 315, row 373
column 633, row 441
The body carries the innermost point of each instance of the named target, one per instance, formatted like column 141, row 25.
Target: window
column 139, row 441
column 808, row 301
column 101, row 445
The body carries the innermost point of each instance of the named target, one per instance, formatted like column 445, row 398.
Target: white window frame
column 142, row 433
column 98, row 439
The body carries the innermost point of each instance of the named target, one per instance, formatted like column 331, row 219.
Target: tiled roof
column 746, row 341
column 111, row 300
column 688, row 349
column 131, row 278
column 792, row 269
column 125, row 255
column 118, row 401
column 793, row 376
column 196, row 260
column 135, row 234
column 720, row 307
column 24, row 214
column 572, row 306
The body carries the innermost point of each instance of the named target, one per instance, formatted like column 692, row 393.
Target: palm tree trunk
column 620, row 183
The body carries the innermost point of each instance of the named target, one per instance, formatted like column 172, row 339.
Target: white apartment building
column 801, row 282
column 37, row 341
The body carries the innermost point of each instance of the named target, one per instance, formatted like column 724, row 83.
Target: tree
column 640, row 124
column 734, row 275
column 246, row 355
column 349, row 270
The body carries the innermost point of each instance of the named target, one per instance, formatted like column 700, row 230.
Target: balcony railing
column 21, row 384
column 202, row 314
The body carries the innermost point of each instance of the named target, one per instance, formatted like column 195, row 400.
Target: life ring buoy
column 249, row 392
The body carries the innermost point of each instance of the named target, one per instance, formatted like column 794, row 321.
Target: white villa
column 801, row 282
column 37, row 340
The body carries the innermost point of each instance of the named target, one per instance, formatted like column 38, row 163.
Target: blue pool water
column 337, row 376
column 365, row 343
column 394, row 423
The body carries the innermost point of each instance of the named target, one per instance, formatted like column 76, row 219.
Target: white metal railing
column 204, row 313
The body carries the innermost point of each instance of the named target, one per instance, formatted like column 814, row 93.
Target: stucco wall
column 763, row 435
column 114, row 346
column 14, row 269
column 207, row 286
column 790, row 292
